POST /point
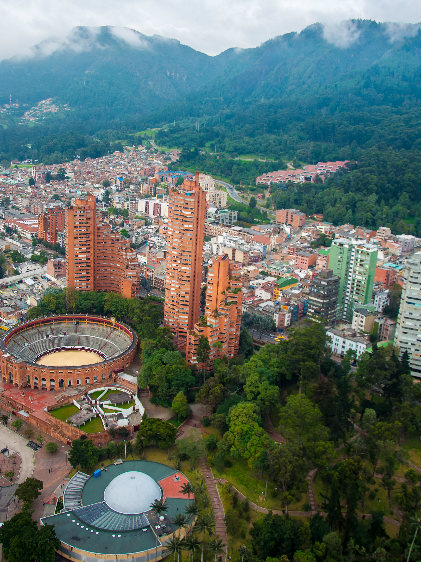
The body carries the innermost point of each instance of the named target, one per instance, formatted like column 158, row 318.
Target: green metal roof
column 96, row 528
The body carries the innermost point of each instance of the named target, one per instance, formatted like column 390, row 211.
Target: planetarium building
column 108, row 516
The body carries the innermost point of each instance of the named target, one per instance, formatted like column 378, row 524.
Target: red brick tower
column 222, row 322
column 98, row 259
column 185, row 237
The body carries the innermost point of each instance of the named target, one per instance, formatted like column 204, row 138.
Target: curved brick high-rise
column 183, row 276
column 98, row 259
column 222, row 322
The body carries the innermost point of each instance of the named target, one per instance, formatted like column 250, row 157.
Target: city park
column 292, row 456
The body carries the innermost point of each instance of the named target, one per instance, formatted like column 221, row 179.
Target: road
column 231, row 191
column 38, row 270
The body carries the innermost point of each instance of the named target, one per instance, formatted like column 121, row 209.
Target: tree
column 392, row 308
column 191, row 510
column 51, row 447
column 17, row 424
column 216, row 547
column 180, row 405
column 301, row 422
column 274, row 535
column 287, row 470
column 159, row 507
column 124, row 233
column 175, row 546
column 203, row 350
column 191, row 544
column 166, row 373
column 23, row 542
column 189, row 448
column 187, row 489
column 153, row 431
column 28, row 491
column 106, row 184
column 333, row 547
column 204, row 525
column 84, row 454
column 252, row 202
column 245, row 438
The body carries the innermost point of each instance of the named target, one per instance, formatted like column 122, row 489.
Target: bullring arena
column 59, row 352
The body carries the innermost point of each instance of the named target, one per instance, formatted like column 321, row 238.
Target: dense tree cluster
column 23, row 542
column 346, row 425
column 144, row 315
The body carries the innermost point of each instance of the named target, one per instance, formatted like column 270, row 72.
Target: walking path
column 295, row 513
column 217, row 506
column 16, row 443
column 311, row 494
column 274, row 434
column 51, row 469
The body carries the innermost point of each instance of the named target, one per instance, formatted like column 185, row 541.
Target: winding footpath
column 261, row 509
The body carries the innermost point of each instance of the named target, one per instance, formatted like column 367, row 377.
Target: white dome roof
column 132, row 492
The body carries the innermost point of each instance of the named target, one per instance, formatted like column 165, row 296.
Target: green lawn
column 110, row 408
column 412, row 446
column 93, row 426
column 176, row 421
column 94, row 395
column 64, row 412
column 250, row 484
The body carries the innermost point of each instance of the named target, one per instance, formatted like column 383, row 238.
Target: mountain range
column 350, row 92
column 107, row 72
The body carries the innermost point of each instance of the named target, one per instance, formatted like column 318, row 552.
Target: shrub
column 52, row 447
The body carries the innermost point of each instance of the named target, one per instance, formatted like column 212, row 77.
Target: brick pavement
column 51, row 469
column 217, row 506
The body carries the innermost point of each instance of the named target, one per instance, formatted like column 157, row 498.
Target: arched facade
column 21, row 347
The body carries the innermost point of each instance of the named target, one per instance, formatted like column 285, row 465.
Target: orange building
column 294, row 218
column 51, row 223
column 386, row 276
column 183, row 275
column 304, row 260
column 222, row 322
column 98, row 259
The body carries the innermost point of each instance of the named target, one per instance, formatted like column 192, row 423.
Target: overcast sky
column 210, row 26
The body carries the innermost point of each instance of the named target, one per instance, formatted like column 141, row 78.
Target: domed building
column 108, row 516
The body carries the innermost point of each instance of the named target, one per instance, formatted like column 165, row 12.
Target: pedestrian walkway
column 217, row 506
column 51, row 469
column 295, row 513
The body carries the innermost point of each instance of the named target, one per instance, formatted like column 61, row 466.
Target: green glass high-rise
column 354, row 263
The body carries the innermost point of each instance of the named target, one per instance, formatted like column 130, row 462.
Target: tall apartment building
column 222, row 322
column 51, row 223
column 98, row 259
column 355, row 264
column 292, row 217
column 323, row 297
column 408, row 329
column 183, row 275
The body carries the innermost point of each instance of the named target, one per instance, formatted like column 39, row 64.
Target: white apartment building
column 408, row 328
column 341, row 341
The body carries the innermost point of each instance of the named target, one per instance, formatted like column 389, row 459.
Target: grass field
column 93, row 426
column 252, row 486
column 64, row 412
column 412, row 446
column 94, row 395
